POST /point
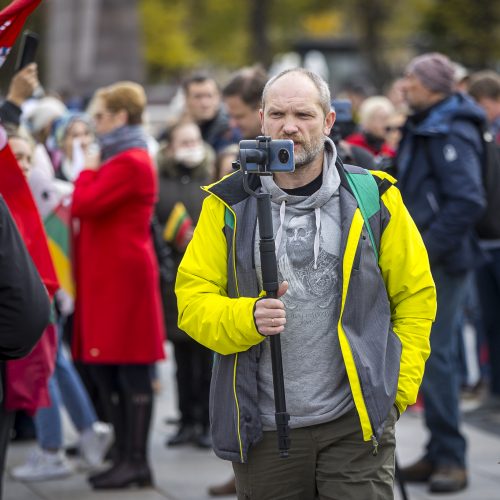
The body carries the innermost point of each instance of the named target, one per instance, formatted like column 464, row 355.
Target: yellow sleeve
column 223, row 324
column 412, row 294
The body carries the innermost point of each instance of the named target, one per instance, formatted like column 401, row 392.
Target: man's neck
column 302, row 175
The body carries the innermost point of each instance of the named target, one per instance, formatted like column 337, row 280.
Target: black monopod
column 269, row 281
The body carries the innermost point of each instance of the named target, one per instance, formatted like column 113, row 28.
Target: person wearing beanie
column 439, row 175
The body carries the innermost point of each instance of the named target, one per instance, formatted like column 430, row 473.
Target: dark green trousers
column 327, row 461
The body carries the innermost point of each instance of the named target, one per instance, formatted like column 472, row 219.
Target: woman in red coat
column 119, row 328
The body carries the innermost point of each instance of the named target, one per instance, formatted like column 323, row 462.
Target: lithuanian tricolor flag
column 57, row 226
column 177, row 224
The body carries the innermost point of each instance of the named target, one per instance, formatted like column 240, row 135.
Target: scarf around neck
column 120, row 139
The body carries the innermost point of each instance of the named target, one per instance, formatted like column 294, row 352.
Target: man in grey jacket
column 354, row 318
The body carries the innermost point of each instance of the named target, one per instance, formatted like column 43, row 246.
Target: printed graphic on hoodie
column 310, row 276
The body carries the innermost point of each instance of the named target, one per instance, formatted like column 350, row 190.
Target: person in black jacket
column 204, row 107
column 185, row 164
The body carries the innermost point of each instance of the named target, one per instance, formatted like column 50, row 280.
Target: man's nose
column 290, row 127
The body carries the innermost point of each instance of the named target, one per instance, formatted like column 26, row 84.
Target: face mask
column 190, row 157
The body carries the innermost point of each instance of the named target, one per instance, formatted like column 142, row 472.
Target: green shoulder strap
column 366, row 192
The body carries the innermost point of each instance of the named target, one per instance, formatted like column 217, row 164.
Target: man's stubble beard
column 309, row 152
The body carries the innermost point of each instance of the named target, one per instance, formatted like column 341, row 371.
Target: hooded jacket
column 386, row 308
column 439, row 174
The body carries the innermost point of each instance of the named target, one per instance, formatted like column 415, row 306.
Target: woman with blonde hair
column 119, row 328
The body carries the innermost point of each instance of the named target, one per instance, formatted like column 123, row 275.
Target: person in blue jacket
column 439, row 175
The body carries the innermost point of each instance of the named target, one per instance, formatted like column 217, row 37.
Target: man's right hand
column 23, row 84
column 270, row 314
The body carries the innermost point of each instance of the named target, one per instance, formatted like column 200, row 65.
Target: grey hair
column 319, row 83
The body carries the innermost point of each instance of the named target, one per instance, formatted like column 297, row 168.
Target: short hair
column 197, row 77
column 247, row 84
column 126, row 96
column 371, row 105
column 319, row 83
column 485, row 84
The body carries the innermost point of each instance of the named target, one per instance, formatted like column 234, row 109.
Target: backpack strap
column 367, row 190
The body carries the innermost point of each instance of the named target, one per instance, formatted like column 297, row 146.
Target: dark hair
column 197, row 77
column 247, row 84
column 485, row 84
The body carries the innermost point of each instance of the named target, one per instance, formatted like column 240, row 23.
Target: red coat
column 118, row 314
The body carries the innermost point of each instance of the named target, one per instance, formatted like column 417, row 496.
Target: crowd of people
column 142, row 234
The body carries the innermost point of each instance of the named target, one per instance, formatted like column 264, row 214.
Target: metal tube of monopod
column 270, row 285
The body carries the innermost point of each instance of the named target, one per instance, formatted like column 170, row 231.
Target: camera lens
column 283, row 156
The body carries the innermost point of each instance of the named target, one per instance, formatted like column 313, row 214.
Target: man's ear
column 261, row 116
column 329, row 121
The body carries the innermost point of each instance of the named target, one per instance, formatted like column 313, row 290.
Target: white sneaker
column 95, row 442
column 42, row 465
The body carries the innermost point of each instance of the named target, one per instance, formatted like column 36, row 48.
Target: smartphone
column 278, row 153
column 27, row 50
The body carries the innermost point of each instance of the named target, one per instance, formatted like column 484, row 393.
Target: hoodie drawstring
column 279, row 234
column 317, row 213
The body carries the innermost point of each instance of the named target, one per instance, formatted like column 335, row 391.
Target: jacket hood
column 456, row 107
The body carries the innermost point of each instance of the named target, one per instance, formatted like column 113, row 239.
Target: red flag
column 17, row 195
column 12, row 19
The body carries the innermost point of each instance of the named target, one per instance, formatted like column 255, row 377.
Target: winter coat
column 179, row 184
column 386, row 310
column 439, row 175
column 118, row 316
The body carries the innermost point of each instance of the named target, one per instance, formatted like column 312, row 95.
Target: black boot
column 134, row 468
column 186, row 434
column 114, row 410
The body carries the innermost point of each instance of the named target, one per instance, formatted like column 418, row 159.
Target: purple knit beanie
column 434, row 70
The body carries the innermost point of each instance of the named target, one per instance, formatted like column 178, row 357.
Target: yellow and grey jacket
column 386, row 309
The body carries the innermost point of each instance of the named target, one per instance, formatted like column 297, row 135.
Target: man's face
column 243, row 116
column 202, row 100
column 415, row 94
column 292, row 111
column 300, row 240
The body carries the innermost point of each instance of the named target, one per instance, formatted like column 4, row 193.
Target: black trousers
column 194, row 370
column 126, row 396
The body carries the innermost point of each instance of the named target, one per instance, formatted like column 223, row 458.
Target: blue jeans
column 441, row 382
column 65, row 387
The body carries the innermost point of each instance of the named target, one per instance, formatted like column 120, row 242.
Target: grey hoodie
column 307, row 233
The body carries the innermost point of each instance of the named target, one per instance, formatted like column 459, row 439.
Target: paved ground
column 185, row 473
